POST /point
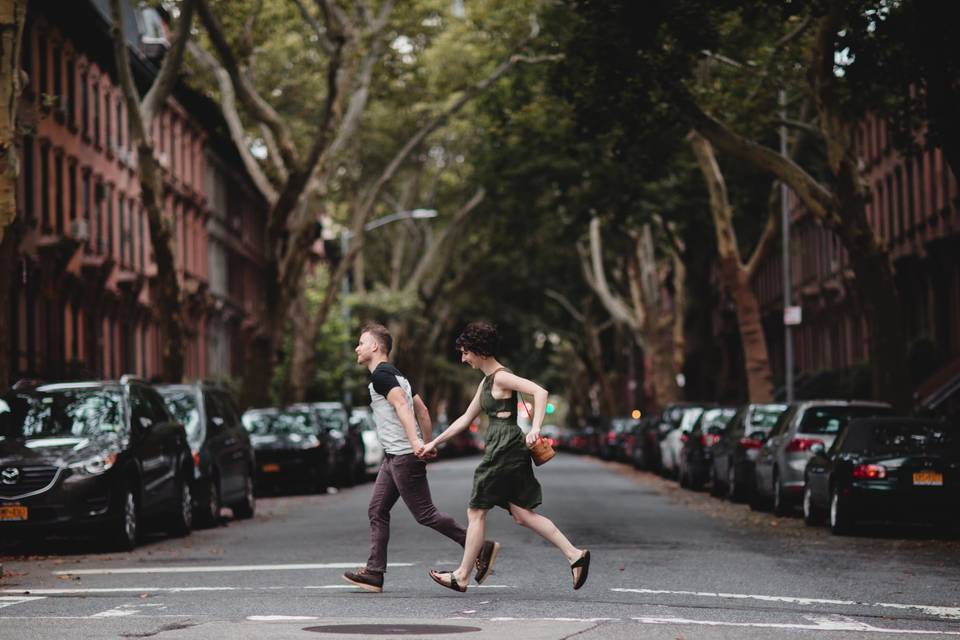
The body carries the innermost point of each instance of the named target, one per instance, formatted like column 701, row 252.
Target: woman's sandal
column 453, row 584
column 582, row 563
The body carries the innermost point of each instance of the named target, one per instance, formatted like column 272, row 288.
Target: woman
column 505, row 475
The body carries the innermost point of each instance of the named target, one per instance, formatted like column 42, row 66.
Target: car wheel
column 758, row 501
column 210, row 514
column 244, row 509
column 182, row 517
column 716, row 487
column 734, row 494
column 781, row 506
column 841, row 520
column 125, row 532
column 811, row 514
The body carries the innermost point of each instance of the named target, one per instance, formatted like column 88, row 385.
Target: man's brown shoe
column 485, row 560
column 365, row 579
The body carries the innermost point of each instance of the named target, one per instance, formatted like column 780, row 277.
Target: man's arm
column 398, row 399
column 423, row 418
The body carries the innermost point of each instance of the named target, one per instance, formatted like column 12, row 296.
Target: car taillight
column 802, row 444
column 196, row 458
column 710, row 439
column 870, row 471
column 750, row 443
column 611, row 438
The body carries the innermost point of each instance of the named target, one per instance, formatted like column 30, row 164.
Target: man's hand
column 418, row 447
column 428, row 451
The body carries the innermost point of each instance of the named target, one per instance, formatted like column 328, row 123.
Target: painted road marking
column 220, row 569
column 933, row 610
column 817, row 624
column 127, row 610
column 9, row 601
column 84, row 591
column 279, row 618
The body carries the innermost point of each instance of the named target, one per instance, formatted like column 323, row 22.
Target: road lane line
column 933, row 610
column 220, row 568
column 79, row 591
column 818, row 624
column 9, row 601
column 124, row 610
column 280, row 618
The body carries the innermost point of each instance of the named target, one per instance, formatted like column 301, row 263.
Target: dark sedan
column 736, row 452
column 292, row 451
column 348, row 439
column 696, row 454
column 100, row 457
column 223, row 457
column 885, row 469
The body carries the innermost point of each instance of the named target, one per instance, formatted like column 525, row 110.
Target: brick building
column 915, row 210
column 85, row 276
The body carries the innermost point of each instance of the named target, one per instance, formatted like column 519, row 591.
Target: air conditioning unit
column 80, row 230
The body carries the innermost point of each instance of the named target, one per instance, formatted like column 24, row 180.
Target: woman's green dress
column 505, row 475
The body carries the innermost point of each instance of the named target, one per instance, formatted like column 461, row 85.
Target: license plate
column 928, row 478
column 270, row 468
column 13, row 513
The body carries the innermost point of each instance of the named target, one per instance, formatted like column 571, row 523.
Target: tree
column 13, row 14
column 141, row 114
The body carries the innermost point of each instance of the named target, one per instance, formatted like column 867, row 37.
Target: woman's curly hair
column 479, row 337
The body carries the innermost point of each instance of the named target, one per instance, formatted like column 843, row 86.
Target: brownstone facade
column 915, row 210
column 85, row 272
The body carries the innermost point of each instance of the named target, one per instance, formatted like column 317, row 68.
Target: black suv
column 348, row 438
column 102, row 455
column 223, row 459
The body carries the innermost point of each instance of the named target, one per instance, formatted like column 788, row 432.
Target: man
column 403, row 423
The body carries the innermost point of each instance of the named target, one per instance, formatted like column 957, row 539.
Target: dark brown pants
column 404, row 477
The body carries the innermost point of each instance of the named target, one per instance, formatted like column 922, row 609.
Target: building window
column 901, row 202
column 72, row 189
column 121, row 223
column 98, row 216
column 911, row 213
column 58, row 191
column 28, row 177
column 109, row 225
column 891, row 200
column 119, row 124
column 84, row 106
column 107, row 120
column 58, row 75
column 42, row 63
column 71, row 105
column 45, row 187
column 96, row 114
column 85, row 200
column 142, row 236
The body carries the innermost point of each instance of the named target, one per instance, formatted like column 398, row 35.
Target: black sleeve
column 383, row 381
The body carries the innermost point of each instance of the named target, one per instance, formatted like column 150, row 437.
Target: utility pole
column 790, row 313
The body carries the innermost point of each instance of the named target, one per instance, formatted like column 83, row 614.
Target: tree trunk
column 8, row 266
column 595, row 358
column 302, row 360
column 736, row 279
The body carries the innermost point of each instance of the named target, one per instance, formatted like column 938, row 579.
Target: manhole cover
column 392, row 629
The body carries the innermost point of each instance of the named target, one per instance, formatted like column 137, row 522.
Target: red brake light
column 750, row 443
column 196, row 458
column 709, row 439
column 870, row 471
column 802, row 444
column 684, row 437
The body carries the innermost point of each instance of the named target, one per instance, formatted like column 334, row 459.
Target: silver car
column 784, row 454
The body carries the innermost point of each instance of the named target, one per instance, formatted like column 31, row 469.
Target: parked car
column 783, row 457
column 584, row 439
column 103, row 457
column 334, row 419
column 696, row 452
column 223, row 458
column 617, row 438
column 671, row 442
column 292, row 451
column 361, row 418
column 885, row 469
column 735, row 453
column 644, row 445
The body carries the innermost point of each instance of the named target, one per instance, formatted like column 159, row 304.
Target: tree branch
column 597, row 280
column 127, row 85
column 167, row 76
column 228, row 106
column 768, row 237
column 318, row 29
column 259, row 108
column 566, row 304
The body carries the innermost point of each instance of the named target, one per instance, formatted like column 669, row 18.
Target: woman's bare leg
column 547, row 530
column 476, row 530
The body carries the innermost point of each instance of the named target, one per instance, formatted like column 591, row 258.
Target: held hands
column 426, row 451
column 533, row 436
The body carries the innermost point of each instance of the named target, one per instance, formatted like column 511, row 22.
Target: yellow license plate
column 13, row 512
column 928, row 478
column 270, row 468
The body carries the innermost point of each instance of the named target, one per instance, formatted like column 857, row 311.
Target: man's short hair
column 381, row 334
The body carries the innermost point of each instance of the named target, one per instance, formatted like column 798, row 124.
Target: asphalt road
column 666, row 564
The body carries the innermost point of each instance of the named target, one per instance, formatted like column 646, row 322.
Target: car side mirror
column 818, row 449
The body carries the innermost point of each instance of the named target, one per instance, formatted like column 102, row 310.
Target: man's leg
column 410, row 475
column 385, row 495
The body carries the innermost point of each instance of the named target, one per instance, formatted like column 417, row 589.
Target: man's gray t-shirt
column 390, row 431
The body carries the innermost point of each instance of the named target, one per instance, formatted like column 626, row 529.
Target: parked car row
column 845, row 463
column 113, row 457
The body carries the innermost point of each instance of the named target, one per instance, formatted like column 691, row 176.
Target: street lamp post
column 415, row 214
column 787, row 278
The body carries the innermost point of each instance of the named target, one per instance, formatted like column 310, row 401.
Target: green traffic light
column 550, row 408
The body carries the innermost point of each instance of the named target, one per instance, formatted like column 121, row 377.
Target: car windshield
column 331, row 418
column 716, row 418
column 764, row 416
column 902, row 438
column 831, row 419
column 278, row 423
column 61, row 413
column 183, row 406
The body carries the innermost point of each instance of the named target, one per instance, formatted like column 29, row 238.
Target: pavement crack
column 173, row 626
column 574, row 635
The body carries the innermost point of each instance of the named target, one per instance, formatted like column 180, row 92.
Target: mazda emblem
column 10, row 475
